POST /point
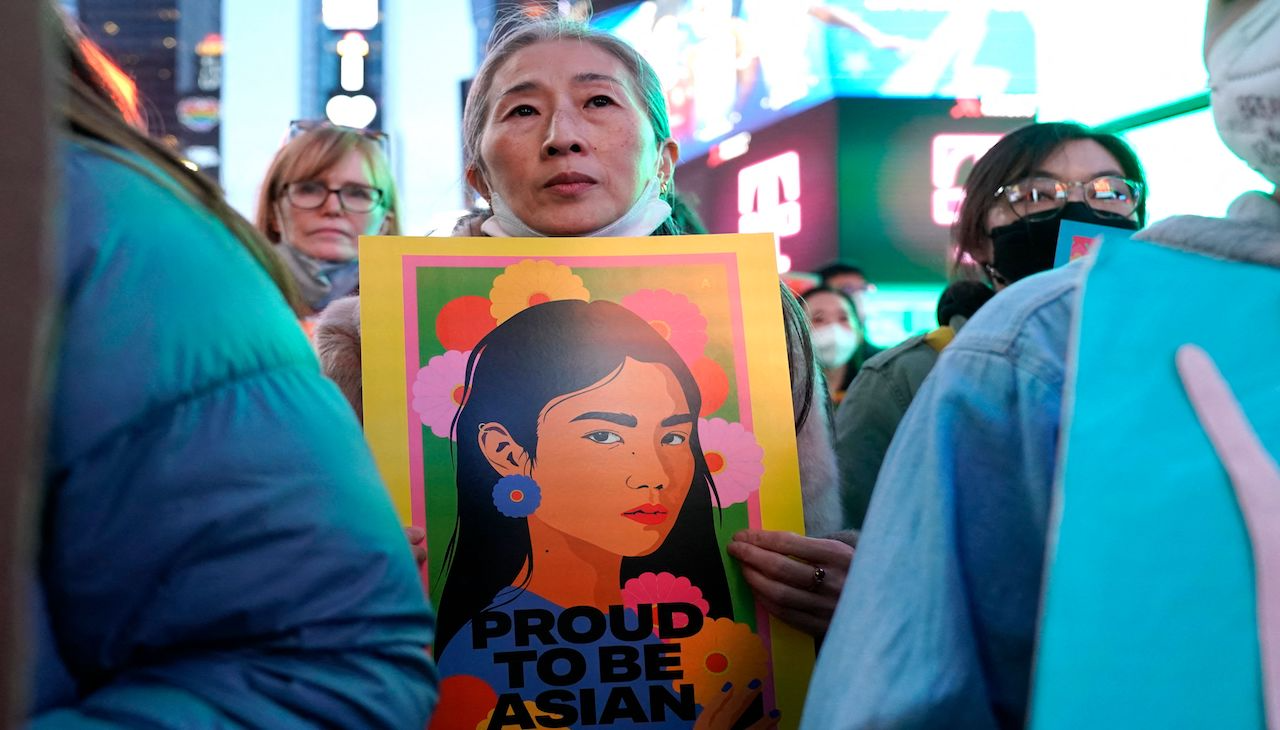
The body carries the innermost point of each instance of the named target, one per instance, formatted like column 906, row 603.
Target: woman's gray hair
column 517, row 33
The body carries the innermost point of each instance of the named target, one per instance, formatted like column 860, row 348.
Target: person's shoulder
column 1028, row 324
column 1250, row 232
column 909, row 349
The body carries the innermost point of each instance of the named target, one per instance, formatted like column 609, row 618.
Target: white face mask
column 834, row 344
column 645, row 215
column 1244, row 83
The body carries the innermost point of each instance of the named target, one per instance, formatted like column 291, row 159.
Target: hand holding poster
column 581, row 434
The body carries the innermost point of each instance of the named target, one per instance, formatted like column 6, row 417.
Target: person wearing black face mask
column 1030, row 181
column 1028, row 245
column 946, row 586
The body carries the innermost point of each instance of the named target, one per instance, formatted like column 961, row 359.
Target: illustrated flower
column 722, row 651
column 463, row 322
column 673, row 316
column 464, row 701
column 650, row 589
column 516, row 495
column 531, row 282
column 735, row 460
column 438, row 391
column 712, row 382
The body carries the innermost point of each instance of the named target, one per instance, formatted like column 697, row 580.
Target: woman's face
column 614, row 461
column 826, row 308
column 329, row 232
column 1077, row 160
column 567, row 144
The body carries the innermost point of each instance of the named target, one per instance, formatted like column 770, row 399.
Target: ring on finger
column 819, row 575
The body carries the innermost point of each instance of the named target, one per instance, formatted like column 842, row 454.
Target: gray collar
column 1249, row 233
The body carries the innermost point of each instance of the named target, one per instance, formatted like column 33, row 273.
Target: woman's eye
column 674, row 439
column 522, row 110
column 599, row 101
column 604, row 437
column 357, row 192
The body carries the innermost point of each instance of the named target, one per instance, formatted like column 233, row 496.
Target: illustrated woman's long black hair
column 544, row 352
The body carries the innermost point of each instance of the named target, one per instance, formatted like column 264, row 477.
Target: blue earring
column 516, row 495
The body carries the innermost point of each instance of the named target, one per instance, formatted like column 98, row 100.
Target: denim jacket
column 937, row 624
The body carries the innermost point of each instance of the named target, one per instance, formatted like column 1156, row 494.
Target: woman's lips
column 570, row 184
column 647, row 514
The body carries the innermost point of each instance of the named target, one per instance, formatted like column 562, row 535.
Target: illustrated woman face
column 614, row 461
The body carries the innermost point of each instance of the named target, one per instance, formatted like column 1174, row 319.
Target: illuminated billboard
column 872, row 180
column 729, row 66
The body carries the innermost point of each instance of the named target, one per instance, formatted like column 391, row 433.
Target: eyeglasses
column 301, row 126
column 311, row 194
column 1038, row 198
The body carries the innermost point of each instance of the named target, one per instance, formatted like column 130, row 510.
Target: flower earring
column 516, row 495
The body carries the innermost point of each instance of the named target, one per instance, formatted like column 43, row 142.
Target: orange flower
column 722, row 651
column 531, row 282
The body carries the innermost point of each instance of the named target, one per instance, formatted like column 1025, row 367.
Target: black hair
column 541, row 353
column 838, row 268
column 962, row 298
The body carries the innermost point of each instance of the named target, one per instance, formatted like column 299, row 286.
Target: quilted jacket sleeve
column 218, row 549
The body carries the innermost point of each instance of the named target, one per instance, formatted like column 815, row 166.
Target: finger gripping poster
column 581, row 433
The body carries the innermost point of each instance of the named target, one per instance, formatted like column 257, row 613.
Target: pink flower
column 438, row 391
column 650, row 589
column 735, row 460
column 673, row 316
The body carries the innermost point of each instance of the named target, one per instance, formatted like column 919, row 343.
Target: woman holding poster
column 584, row 496
column 566, row 134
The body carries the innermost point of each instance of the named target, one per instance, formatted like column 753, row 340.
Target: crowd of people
column 216, row 548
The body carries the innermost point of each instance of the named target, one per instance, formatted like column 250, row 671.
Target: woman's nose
column 332, row 204
column 647, row 471
column 564, row 135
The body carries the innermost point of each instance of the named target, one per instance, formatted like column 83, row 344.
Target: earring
column 663, row 186
column 516, row 495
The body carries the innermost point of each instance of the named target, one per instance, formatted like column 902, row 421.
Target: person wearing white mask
column 954, row 544
column 839, row 337
column 565, row 133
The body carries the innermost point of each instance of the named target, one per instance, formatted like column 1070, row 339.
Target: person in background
column 1028, row 182
column 938, row 629
column 876, row 402
column 566, row 134
column 839, row 337
column 215, row 546
column 327, row 186
column 850, row 279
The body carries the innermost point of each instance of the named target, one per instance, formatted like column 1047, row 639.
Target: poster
column 1163, row 572
column 1077, row 239
column 581, row 433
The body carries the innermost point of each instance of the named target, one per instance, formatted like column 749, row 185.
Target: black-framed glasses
column 1038, row 198
column 300, row 126
column 311, row 194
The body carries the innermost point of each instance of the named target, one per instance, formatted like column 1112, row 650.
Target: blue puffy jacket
column 216, row 547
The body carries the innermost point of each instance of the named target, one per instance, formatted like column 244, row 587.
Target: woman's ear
column 476, row 180
column 385, row 228
column 501, row 450
column 668, row 156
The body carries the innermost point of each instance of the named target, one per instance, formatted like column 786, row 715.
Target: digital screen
column 868, row 180
column 729, row 66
